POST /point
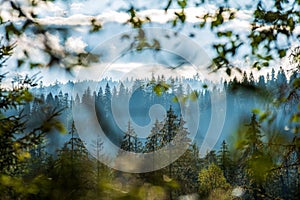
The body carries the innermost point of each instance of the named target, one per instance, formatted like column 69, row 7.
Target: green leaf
column 266, row 64
column 291, row 23
column 28, row 96
column 263, row 116
column 60, row 127
column 20, row 62
column 158, row 90
column 296, row 83
column 34, row 65
column 259, row 165
column 295, row 117
column 182, row 3
column 282, row 53
column 256, row 111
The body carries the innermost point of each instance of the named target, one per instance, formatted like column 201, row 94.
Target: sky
column 76, row 15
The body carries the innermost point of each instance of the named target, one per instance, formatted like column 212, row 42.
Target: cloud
column 75, row 44
column 48, row 8
column 76, row 6
column 193, row 15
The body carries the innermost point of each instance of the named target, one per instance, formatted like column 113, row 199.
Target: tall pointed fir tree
column 255, row 162
column 185, row 169
column 210, row 158
column 99, row 95
column 122, row 94
column 130, row 141
column 87, row 97
column 107, row 100
column 153, row 139
column 114, row 92
column 50, row 100
column 60, row 99
column 170, row 128
column 182, row 140
column 224, row 160
column 169, row 131
column 73, row 170
column 122, row 91
column 77, row 100
column 254, row 136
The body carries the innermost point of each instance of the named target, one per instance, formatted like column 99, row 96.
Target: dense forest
column 259, row 160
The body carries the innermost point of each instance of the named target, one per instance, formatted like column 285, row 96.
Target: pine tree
column 261, row 82
column 255, row 162
column 87, row 97
column 50, row 100
column 251, row 79
column 36, row 106
column 182, row 132
column 245, row 80
column 114, row 92
column 107, row 100
column 253, row 136
column 122, row 91
column 77, row 99
column 107, row 92
column 211, row 158
column 170, row 128
column 180, row 91
column 224, row 160
column 56, row 102
column 60, row 98
column 169, row 131
column 130, row 141
column 100, row 94
column 153, row 140
column 66, row 100
column 73, row 171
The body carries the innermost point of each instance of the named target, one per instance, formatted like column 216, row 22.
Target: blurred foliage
column 210, row 179
column 17, row 138
column 25, row 22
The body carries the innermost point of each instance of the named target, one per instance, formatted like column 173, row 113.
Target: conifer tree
column 50, row 100
column 122, row 91
column 87, row 97
column 73, row 171
column 130, row 141
column 224, row 160
column 170, row 128
column 210, row 158
column 77, row 99
column 182, row 132
column 153, row 139
column 107, row 100
column 253, row 135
